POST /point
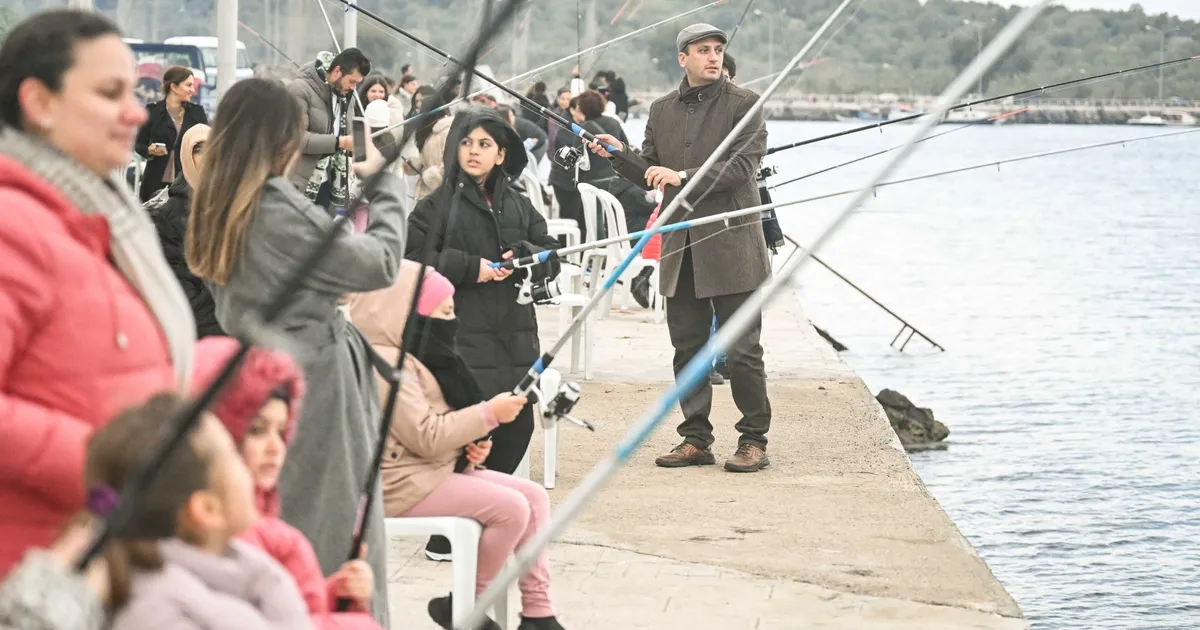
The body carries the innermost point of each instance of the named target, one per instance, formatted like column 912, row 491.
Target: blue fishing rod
column 741, row 321
column 664, row 217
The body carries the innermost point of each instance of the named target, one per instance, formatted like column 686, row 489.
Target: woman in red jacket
column 260, row 408
column 91, row 319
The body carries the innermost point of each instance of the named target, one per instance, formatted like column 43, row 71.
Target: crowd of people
column 118, row 305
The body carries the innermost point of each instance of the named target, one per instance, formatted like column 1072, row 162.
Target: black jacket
column 171, row 223
column 528, row 129
column 159, row 128
column 497, row 338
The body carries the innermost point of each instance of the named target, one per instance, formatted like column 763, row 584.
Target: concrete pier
column 838, row 533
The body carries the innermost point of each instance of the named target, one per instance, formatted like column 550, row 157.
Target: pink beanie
column 434, row 291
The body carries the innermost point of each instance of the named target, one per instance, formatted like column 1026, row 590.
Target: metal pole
column 227, row 37
column 350, row 27
column 1162, row 55
column 979, row 51
column 527, row 383
column 701, row 365
column 85, row 5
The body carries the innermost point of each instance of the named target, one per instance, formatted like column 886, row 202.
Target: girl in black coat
column 475, row 218
column 166, row 122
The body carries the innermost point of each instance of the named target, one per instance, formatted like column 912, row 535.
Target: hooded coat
column 262, row 372
column 315, row 96
column 427, row 434
column 497, row 338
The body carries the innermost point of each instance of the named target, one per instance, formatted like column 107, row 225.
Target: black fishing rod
column 177, row 429
column 1029, row 92
column 488, row 27
column 738, row 26
column 632, row 159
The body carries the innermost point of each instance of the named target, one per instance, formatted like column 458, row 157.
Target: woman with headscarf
column 429, row 142
column 249, row 229
column 91, row 318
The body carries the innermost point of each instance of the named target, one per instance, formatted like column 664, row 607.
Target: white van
column 208, row 47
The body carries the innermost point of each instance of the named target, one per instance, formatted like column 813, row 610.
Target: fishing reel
column 544, row 291
column 558, row 399
column 765, row 172
column 570, row 157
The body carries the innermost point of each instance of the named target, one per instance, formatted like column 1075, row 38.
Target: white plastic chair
column 464, row 541
column 606, row 207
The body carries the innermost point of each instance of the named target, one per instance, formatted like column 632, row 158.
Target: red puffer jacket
column 77, row 345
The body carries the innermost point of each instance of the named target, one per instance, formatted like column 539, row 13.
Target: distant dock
column 1060, row 111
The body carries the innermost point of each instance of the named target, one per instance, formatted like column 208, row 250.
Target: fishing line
column 268, row 42
column 701, row 365
column 938, row 135
column 527, row 382
column 1020, row 93
column 725, row 216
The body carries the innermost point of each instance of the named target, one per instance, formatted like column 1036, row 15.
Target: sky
column 1188, row 9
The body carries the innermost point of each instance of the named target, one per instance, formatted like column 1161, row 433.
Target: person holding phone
column 437, row 445
column 166, row 122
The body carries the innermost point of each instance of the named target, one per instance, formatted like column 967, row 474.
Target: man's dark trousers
column 689, row 320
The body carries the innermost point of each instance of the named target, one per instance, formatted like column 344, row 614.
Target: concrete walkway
column 838, row 533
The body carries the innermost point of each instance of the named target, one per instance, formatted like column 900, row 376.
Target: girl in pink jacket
column 178, row 564
column 260, row 408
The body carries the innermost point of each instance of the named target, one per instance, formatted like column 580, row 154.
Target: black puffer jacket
column 171, row 223
column 497, row 337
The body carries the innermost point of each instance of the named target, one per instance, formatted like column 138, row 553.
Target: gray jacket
column 316, row 99
column 328, row 457
column 685, row 127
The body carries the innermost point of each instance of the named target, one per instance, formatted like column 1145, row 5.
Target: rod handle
column 525, row 261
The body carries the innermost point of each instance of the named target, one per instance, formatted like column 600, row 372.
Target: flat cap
column 697, row 32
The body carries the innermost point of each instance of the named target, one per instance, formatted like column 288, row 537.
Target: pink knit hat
column 434, row 291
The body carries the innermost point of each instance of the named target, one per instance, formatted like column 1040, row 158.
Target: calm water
column 1065, row 290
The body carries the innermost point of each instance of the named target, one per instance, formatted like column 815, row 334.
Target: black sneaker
column 540, row 623
column 441, row 611
column 438, row 549
column 715, row 378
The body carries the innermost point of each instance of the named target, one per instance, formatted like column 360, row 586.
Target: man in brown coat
column 711, row 268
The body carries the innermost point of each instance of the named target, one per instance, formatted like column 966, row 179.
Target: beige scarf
column 135, row 245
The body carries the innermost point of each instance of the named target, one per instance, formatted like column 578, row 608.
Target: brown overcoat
column 685, row 127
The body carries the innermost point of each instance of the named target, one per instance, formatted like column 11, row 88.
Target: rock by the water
column 916, row 426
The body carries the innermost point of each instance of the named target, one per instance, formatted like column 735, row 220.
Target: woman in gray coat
column 249, row 230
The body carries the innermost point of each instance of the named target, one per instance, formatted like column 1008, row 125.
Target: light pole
column 1162, row 54
column 978, row 50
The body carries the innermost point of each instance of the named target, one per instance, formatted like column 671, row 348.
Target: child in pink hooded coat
column 259, row 408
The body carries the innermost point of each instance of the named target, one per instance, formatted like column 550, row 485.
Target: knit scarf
column 135, row 247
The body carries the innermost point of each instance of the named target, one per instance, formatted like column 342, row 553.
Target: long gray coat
column 327, row 460
column 316, row 99
column 686, row 127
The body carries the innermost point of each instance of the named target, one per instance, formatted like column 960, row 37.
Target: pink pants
column 510, row 510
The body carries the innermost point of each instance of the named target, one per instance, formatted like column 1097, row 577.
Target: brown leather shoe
column 686, row 454
column 748, row 458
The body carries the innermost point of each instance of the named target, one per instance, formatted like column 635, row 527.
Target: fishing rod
column 883, row 151
column 990, row 99
column 737, row 27
column 701, row 365
column 731, row 214
column 543, row 68
column 631, row 159
column 255, row 329
column 753, row 115
column 488, row 26
column 267, row 42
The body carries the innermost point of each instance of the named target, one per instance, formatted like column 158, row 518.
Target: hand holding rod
column 990, row 99
column 428, row 254
column 630, row 158
column 667, row 212
column 742, row 319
